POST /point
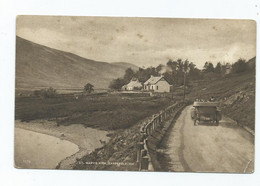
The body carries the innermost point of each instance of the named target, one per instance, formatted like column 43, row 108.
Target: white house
column 134, row 84
column 157, row 84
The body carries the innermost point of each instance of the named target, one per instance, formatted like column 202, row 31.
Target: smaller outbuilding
column 134, row 84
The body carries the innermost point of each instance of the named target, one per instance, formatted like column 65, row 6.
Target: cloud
column 143, row 41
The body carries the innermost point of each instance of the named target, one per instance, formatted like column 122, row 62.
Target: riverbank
column 35, row 150
column 87, row 139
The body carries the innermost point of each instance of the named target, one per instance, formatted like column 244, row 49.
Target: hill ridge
column 39, row 65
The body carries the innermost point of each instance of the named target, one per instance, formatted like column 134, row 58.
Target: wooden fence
column 143, row 157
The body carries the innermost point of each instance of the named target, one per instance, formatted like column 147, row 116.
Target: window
column 157, row 87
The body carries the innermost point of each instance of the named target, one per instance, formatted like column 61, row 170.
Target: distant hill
column 41, row 66
column 126, row 65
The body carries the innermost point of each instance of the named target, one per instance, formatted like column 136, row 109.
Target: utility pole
column 185, row 70
column 184, row 86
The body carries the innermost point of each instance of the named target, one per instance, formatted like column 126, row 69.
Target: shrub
column 89, row 88
column 46, row 93
column 211, row 76
column 117, row 84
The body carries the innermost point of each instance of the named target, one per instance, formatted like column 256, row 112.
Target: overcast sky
column 143, row 41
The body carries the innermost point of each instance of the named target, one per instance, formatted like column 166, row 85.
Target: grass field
column 105, row 112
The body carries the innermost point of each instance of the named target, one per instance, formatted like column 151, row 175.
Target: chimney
column 151, row 76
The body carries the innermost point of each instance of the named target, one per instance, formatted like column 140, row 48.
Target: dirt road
column 205, row 148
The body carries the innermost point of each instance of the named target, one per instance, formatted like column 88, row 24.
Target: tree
column 218, row 68
column 205, row 67
column 185, row 70
column 171, row 71
column 180, row 72
column 46, row 93
column 159, row 68
column 129, row 74
column 194, row 73
column 177, row 70
column 186, row 66
column 144, row 74
column 208, row 67
column 240, row 66
column 172, row 66
column 89, row 88
column 117, row 84
column 140, row 75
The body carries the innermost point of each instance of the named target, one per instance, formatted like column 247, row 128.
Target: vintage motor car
column 206, row 112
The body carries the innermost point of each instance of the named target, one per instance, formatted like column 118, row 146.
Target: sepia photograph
column 135, row 94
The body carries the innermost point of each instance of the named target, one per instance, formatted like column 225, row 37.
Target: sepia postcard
column 135, row 94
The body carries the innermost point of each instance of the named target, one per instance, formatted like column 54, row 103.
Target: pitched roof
column 133, row 83
column 153, row 80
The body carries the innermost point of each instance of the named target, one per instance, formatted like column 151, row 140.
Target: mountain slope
column 251, row 63
column 41, row 66
column 236, row 93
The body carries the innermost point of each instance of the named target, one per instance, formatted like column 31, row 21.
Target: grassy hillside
column 236, row 92
column 41, row 66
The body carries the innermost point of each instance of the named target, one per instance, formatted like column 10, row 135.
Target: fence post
column 145, row 163
column 140, row 146
column 150, row 128
column 147, row 130
column 150, row 165
column 144, row 135
column 143, row 158
column 146, row 142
